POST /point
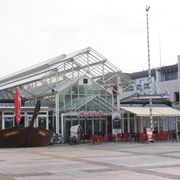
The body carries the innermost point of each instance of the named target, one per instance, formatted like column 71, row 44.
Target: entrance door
column 96, row 126
column 103, row 126
column 82, row 125
column 67, row 130
column 88, row 126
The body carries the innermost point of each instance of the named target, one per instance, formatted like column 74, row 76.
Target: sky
column 32, row 31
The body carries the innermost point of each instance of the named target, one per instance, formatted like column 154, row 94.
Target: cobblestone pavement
column 130, row 161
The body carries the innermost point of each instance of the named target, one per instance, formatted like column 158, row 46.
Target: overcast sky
column 36, row 30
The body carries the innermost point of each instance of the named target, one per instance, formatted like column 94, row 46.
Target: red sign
column 91, row 114
column 17, row 105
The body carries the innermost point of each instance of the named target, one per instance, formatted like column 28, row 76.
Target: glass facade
column 82, row 97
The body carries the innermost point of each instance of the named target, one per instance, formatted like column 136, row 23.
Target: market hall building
column 79, row 88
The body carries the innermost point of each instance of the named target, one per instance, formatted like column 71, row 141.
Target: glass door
column 67, row 130
column 88, row 126
column 96, row 127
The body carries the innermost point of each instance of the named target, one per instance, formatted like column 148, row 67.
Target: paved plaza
column 130, row 161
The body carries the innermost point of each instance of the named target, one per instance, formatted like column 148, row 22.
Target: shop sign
column 90, row 114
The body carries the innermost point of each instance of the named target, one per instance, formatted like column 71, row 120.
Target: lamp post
column 149, row 71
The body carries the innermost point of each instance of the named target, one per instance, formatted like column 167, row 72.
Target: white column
column 92, row 125
column 36, row 124
column 122, row 122
column 3, row 123
column 135, row 124
column 112, row 121
column 25, row 119
column 62, row 126
column 177, row 129
column 47, row 121
column 85, row 119
column 14, row 120
column 141, row 124
column 106, row 127
column 179, row 72
column 128, row 123
column 100, row 128
column 57, row 111
column 158, row 124
column 163, row 123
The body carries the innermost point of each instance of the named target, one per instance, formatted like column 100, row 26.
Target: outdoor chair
column 114, row 137
column 125, row 137
column 103, row 138
column 163, row 136
column 94, row 138
column 143, row 137
column 119, row 137
column 110, row 137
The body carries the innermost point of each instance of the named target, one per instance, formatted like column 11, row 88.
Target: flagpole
column 149, row 71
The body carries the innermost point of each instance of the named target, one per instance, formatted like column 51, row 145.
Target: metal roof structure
column 173, row 67
column 40, row 79
column 156, row 111
column 140, row 74
column 92, row 99
column 141, row 98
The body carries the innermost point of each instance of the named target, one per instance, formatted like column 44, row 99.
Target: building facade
column 165, row 82
column 78, row 88
column 74, row 89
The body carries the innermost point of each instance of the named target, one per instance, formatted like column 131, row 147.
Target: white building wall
column 160, row 87
column 169, row 87
column 179, row 73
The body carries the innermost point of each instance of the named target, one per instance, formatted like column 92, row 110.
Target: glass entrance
column 96, row 126
column 100, row 126
column 67, row 130
column 88, row 126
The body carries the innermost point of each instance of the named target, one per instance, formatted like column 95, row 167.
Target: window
column 176, row 96
column 138, row 87
column 129, row 88
column 169, row 74
column 146, row 86
column 85, row 81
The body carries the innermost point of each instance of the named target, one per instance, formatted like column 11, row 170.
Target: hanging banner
column 17, row 106
column 116, row 123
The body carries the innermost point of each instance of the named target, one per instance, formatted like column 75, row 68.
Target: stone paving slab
column 170, row 170
column 130, row 161
column 136, row 161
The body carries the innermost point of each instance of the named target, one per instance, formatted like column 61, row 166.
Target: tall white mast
column 149, row 71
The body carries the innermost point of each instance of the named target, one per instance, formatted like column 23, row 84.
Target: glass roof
column 40, row 80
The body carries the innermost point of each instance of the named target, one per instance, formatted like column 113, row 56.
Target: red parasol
column 17, row 105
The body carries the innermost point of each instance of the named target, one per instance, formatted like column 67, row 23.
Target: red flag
column 17, row 105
